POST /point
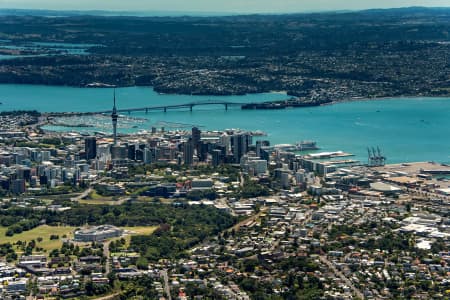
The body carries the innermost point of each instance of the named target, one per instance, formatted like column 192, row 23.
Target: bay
column 405, row 129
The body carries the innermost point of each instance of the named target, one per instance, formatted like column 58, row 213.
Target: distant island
column 320, row 57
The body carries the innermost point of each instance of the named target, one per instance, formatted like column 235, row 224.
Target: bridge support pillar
column 191, row 106
column 165, row 109
column 226, row 106
column 146, row 110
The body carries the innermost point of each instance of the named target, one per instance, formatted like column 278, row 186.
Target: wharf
column 415, row 168
column 341, row 162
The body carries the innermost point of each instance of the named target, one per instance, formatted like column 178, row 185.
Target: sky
column 224, row 6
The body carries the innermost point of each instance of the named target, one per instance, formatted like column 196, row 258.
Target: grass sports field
column 45, row 231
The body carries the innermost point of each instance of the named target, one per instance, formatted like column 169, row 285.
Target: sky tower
column 114, row 117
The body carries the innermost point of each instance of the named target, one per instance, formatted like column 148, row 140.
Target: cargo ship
column 299, row 146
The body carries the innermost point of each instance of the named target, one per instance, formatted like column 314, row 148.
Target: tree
column 249, row 265
column 142, row 263
column 408, row 207
column 96, row 289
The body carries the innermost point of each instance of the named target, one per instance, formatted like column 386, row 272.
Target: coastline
column 282, row 126
column 274, row 92
column 385, row 98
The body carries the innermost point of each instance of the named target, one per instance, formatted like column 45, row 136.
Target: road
column 426, row 195
column 308, row 217
column 109, row 297
column 166, row 283
column 121, row 200
column 82, row 195
column 107, row 256
column 249, row 219
column 89, row 190
column 338, row 273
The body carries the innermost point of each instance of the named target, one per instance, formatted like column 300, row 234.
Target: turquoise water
column 61, row 98
column 405, row 129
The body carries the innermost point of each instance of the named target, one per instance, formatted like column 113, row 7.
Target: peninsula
column 317, row 57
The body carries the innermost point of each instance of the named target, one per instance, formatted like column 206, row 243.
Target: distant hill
column 69, row 13
column 105, row 13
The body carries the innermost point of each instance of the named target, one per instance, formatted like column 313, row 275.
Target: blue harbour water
column 406, row 130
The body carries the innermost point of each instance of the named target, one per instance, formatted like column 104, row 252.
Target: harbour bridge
column 164, row 108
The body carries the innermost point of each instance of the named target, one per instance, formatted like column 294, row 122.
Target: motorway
column 82, row 195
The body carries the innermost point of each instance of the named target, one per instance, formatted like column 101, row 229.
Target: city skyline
column 232, row 6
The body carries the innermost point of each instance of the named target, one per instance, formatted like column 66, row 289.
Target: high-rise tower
column 188, row 152
column 196, row 136
column 114, row 117
column 240, row 144
column 90, row 147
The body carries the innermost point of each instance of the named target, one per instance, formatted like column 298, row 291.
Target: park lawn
column 138, row 230
column 43, row 231
column 95, row 196
column 99, row 201
column 96, row 199
column 159, row 199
